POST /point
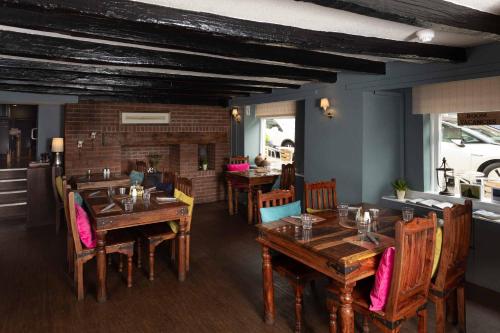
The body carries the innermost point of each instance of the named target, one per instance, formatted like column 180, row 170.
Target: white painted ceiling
column 313, row 17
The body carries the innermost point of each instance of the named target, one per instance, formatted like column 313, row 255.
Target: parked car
column 280, row 132
column 467, row 150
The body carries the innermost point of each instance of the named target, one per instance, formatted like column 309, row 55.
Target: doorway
column 18, row 135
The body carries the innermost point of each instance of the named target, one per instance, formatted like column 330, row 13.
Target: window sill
column 476, row 204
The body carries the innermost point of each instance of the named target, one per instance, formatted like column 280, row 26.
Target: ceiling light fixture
column 425, row 35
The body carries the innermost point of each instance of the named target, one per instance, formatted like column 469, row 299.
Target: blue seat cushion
column 167, row 187
column 136, row 177
column 270, row 214
column 78, row 199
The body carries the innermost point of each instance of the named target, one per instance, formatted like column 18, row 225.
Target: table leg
column 181, row 250
column 101, row 266
column 250, row 205
column 345, row 310
column 230, row 197
column 268, row 286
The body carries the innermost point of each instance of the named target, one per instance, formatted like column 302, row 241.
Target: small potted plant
column 204, row 163
column 400, row 186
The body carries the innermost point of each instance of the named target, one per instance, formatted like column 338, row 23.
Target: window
column 277, row 141
column 472, row 151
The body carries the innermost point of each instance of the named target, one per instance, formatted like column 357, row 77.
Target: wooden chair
column 321, row 195
column 59, row 204
column 155, row 234
column 117, row 242
column 296, row 273
column 287, row 178
column 409, row 285
column 237, row 188
column 450, row 275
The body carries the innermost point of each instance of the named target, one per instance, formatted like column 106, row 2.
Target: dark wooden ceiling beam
column 110, row 75
column 22, row 44
column 423, row 13
column 249, row 31
column 69, row 78
column 142, row 91
column 89, row 94
column 173, row 37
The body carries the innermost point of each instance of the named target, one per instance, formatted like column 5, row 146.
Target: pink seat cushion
column 383, row 277
column 84, row 228
column 238, row 167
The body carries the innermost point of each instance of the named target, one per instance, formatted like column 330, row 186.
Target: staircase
column 13, row 194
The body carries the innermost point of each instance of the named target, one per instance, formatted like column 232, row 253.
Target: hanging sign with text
column 478, row 118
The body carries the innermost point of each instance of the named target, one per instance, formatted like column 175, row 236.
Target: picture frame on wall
column 129, row 118
column 471, row 191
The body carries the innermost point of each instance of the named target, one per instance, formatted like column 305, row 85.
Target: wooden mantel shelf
column 168, row 138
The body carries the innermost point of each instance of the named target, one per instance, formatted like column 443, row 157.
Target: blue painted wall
column 50, row 125
column 334, row 148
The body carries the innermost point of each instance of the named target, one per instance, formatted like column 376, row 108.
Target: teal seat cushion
column 270, row 214
column 78, row 199
column 136, row 177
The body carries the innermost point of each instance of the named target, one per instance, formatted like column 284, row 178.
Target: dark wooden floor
column 222, row 293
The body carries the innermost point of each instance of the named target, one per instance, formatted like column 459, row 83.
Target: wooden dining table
column 250, row 179
column 97, row 180
column 331, row 247
column 143, row 213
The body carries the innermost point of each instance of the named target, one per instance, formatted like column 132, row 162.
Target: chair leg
column 79, row 279
column 71, row 254
column 422, row 321
column 299, row 288
column 188, row 254
column 440, row 315
column 461, row 308
column 333, row 316
column 129, row 270
column 236, row 197
column 139, row 252
column 366, row 327
column 120, row 263
column 151, row 262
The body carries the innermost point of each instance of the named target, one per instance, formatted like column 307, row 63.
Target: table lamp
column 58, row 148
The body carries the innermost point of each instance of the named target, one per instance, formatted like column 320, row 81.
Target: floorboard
column 223, row 291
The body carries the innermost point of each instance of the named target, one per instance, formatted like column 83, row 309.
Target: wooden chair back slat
column 66, row 189
column 455, row 247
column 412, row 265
column 184, row 185
column 274, row 198
column 287, row 176
column 72, row 219
column 321, row 195
column 239, row 160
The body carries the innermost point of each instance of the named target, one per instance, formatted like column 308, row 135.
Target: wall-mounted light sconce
column 328, row 111
column 236, row 114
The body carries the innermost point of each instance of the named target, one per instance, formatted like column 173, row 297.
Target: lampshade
column 324, row 103
column 57, row 145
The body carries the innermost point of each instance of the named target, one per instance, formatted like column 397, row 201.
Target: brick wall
column 118, row 146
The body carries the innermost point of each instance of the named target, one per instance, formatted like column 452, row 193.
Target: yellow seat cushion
column 312, row 210
column 59, row 187
column 437, row 249
column 187, row 200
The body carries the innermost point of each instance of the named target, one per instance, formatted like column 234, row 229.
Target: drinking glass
column 343, row 209
column 407, row 213
column 146, row 196
column 306, row 221
column 374, row 213
column 306, row 235
column 363, row 226
column 128, row 205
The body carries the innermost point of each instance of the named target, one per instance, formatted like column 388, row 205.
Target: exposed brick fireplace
column 118, row 146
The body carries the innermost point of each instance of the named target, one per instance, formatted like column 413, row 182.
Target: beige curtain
column 279, row 109
column 476, row 95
